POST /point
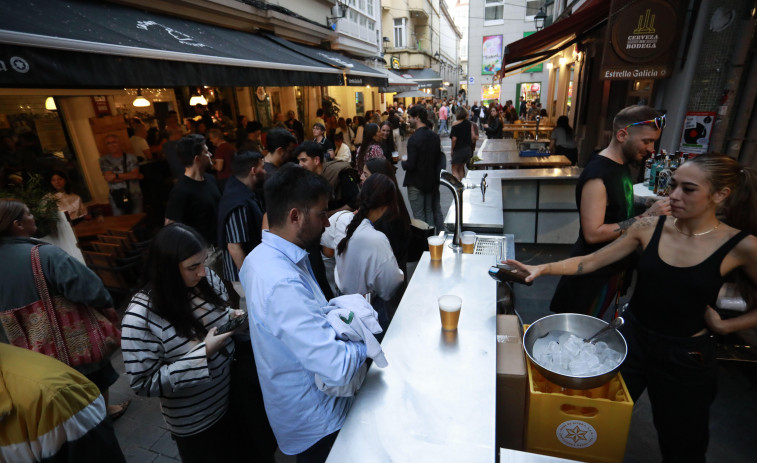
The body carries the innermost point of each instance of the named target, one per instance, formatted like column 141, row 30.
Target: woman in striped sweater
column 171, row 349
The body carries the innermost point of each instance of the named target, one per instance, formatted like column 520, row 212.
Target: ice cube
column 601, row 346
column 579, row 368
column 591, row 359
column 564, row 338
column 554, row 347
column 612, row 356
column 571, row 346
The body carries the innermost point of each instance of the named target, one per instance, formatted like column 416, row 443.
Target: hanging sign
column 641, row 39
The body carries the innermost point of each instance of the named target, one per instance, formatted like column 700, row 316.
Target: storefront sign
column 490, row 92
column 697, row 128
column 491, row 59
column 101, row 106
column 641, row 39
column 395, row 62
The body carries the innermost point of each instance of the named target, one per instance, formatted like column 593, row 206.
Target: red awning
column 534, row 48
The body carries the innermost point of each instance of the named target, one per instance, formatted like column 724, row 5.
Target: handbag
column 71, row 332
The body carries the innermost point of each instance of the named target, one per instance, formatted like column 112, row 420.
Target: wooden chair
column 116, row 277
column 132, row 236
column 115, row 250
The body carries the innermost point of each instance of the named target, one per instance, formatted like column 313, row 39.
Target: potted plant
column 41, row 203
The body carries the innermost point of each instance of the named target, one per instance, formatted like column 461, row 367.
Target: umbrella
column 413, row 94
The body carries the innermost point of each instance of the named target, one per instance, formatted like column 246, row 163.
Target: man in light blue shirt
column 291, row 338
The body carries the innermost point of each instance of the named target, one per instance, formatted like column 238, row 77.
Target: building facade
column 493, row 24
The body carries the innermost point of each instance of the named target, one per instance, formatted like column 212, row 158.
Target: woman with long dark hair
column 493, row 125
column 387, row 141
column 365, row 262
column 683, row 263
column 370, row 147
column 561, row 140
column 171, row 348
column 68, row 201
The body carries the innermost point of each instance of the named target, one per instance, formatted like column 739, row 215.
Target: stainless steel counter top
column 435, row 401
column 478, row 215
column 525, row 174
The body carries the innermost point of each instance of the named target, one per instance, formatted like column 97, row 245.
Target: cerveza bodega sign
column 641, row 38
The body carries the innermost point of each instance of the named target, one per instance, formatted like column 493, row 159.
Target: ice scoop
column 614, row 325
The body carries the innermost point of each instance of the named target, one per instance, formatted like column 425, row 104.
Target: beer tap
column 457, row 188
column 483, row 188
column 538, row 120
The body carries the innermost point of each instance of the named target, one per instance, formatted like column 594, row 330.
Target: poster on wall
column 490, row 93
column 697, row 128
column 491, row 58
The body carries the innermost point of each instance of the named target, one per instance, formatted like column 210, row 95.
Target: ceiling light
column 140, row 101
column 50, row 104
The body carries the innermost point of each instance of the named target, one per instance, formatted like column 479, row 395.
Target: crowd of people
column 297, row 227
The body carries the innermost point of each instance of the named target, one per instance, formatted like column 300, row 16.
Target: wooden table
column 503, row 153
column 101, row 225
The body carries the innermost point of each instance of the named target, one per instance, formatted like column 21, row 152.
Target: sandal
column 123, row 406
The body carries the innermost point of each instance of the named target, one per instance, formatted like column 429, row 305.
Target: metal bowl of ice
column 556, row 348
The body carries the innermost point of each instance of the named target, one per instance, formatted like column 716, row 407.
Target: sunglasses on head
column 658, row 122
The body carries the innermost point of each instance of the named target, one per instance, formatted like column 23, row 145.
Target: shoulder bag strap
column 44, row 295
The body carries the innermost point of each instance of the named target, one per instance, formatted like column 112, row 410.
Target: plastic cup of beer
column 395, row 156
column 435, row 247
column 449, row 310
column 468, row 240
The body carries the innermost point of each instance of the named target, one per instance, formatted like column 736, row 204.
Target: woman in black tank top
column 684, row 260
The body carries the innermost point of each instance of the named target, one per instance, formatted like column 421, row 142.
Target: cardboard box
column 512, row 383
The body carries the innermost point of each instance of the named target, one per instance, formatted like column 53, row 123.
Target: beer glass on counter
column 449, row 310
column 468, row 239
column 435, row 247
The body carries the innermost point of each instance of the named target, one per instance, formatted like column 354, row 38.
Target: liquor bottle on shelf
column 656, row 166
column 663, row 179
column 648, row 168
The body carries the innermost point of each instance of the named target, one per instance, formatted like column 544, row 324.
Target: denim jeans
column 443, row 126
column 422, row 205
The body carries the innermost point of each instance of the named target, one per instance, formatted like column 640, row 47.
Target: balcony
column 420, row 11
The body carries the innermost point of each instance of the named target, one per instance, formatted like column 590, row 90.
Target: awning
column 81, row 44
column 413, row 94
column 397, row 83
column 558, row 36
column 425, row 78
column 357, row 74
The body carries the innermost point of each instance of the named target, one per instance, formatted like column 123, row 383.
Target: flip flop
column 123, row 407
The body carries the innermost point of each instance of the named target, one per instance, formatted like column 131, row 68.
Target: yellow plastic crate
column 586, row 425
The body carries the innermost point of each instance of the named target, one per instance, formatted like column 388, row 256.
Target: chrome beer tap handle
column 483, row 188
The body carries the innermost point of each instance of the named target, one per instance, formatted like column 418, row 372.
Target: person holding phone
column 172, row 349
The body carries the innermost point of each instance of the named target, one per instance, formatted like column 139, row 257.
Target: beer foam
column 435, row 241
column 450, row 303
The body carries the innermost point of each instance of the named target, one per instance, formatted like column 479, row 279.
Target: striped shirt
column 193, row 390
column 236, row 232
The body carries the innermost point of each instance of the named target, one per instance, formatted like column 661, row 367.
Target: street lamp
column 539, row 19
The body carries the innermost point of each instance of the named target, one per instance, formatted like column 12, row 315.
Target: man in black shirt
column 194, row 199
column 604, row 196
column 422, row 167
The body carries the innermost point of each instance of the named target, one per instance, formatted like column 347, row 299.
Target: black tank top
column 672, row 300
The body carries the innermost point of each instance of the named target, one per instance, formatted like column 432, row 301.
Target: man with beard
column 288, row 326
column 604, row 196
column 240, row 212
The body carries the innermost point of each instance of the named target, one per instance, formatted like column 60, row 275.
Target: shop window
column 400, row 32
column 359, row 103
column 33, row 141
column 494, row 12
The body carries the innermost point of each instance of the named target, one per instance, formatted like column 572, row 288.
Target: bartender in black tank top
column 684, row 259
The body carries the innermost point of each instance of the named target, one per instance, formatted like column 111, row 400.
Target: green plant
column 330, row 106
column 41, row 203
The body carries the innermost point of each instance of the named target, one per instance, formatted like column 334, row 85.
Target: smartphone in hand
column 232, row 324
column 504, row 272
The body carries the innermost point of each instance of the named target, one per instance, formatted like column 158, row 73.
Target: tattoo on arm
column 580, row 268
column 625, row 225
